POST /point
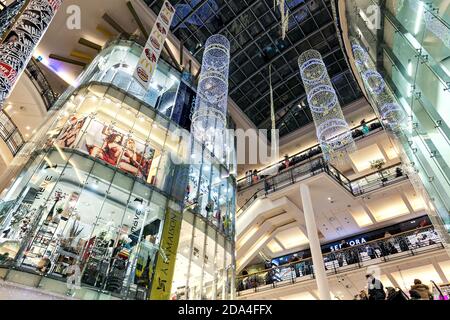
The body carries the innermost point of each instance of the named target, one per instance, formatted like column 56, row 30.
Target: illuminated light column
column 17, row 46
column 333, row 132
column 209, row 118
column 387, row 108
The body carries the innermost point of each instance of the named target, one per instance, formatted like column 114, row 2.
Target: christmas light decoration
column 388, row 110
column 210, row 111
column 332, row 130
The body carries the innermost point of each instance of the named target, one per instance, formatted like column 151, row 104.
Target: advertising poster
column 70, row 133
column 152, row 50
column 17, row 48
column 117, row 149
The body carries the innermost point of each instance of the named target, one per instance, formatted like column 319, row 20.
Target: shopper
column 391, row 293
column 421, row 289
column 365, row 127
column 286, row 161
column 248, row 174
column 345, row 253
column 363, row 295
column 266, row 186
column 255, row 176
column 375, row 288
column 344, row 244
column 371, row 252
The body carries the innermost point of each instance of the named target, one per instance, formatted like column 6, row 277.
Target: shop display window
column 78, row 213
column 200, row 269
column 93, row 197
column 116, row 64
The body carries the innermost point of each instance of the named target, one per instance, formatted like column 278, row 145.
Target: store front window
column 107, row 186
column 203, row 263
column 78, row 215
column 115, row 65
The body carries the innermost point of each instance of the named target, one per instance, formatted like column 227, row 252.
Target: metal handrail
column 8, row 135
column 352, row 186
column 306, row 151
column 320, row 166
column 352, row 257
column 41, row 83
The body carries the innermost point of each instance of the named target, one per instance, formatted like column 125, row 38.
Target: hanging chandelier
column 333, row 132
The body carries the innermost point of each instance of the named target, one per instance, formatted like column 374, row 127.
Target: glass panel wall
column 203, row 261
column 102, row 176
column 411, row 51
column 115, row 65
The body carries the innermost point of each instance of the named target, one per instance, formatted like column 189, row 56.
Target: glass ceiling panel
column 254, row 30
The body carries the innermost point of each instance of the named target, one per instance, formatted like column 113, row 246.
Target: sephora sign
column 17, row 48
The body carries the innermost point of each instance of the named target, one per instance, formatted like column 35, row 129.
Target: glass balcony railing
column 386, row 249
column 357, row 133
column 41, row 83
column 368, row 183
column 10, row 133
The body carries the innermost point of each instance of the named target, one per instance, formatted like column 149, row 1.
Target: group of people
column 376, row 291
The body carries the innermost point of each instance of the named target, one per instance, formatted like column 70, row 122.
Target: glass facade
column 104, row 183
column 411, row 49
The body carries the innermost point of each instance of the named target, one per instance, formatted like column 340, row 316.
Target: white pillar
column 314, row 244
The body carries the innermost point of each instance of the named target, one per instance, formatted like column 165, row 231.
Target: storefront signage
column 351, row 243
column 150, row 55
column 165, row 264
column 137, row 219
column 43, row 187
column 17, row 48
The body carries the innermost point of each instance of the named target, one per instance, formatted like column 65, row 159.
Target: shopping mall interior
column 224, row 150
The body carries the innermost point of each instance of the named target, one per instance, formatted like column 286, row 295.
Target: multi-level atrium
column 134, row 138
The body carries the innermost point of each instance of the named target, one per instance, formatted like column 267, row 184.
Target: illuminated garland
column 390, row 112
column 210, row 111
column 332, row 130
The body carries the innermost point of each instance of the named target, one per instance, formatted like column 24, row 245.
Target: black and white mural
column 17, row 47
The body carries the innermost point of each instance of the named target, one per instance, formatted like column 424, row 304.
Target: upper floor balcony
column 385, row 250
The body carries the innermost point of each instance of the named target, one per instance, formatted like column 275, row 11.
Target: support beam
column 172, row 57
column 406, row 201
column 440, row 272
column 198, row 74
column 181, row 54
column 137, row 19
column 90, row 44
column 314, row 244
column 67, row 60
column 367, row 210
column 81, row 55
column 114, row 24
column 104, row 31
